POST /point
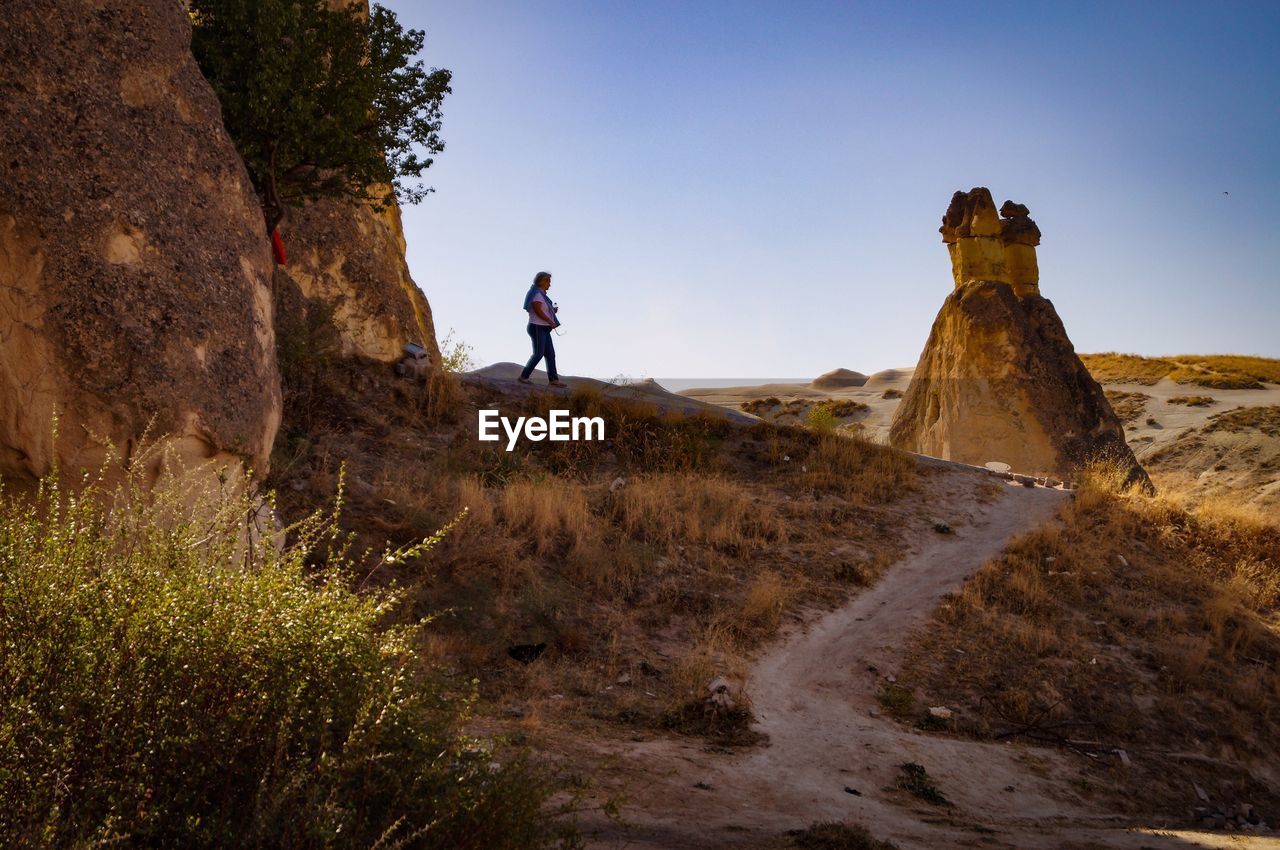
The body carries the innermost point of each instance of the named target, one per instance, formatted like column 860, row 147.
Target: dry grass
column 766, row 599
column 678, row 508
column 678, row 539
column 1137, row 624
column 552, row 514
column 1128, row 406
column 860, row 471
column 1258, row 368
column 1192, row 400
column 1264, row 419
column 844, row 408
column 1225, row 372
column 760, row 406
column 1113, row 368
column 824, row 415
column 833, row 835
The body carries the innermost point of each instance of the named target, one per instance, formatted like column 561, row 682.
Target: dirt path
column 830, row 756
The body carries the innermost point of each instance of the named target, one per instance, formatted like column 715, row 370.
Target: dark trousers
column 542, row 347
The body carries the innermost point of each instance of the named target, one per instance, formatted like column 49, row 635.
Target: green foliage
column 456, row 355
column 895, row 699
column 821, row 418
column 168, row 681
column 321, row 103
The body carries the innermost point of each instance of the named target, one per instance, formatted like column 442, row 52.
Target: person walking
column 542, row 321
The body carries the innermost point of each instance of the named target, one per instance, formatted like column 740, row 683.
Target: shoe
column 524, row 380
column 558, row 383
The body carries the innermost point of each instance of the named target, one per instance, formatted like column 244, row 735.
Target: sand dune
column 838, row 379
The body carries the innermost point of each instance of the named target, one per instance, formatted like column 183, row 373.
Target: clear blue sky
column 734, row 189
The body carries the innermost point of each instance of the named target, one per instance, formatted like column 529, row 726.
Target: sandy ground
column 1163, row 435
column 830, row 754
column 875, row 420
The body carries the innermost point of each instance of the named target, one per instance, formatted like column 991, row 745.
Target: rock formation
column 998, row 379
column 838, row 379
column 135, row 276
column 351, row 257
column 984, row 246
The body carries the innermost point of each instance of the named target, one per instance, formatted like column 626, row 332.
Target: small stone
column 940, row 711
column 1124, row 758
column 624, row 679
column 854, row 791
column 718, row 685
column 1121, row 560
column 617, row 484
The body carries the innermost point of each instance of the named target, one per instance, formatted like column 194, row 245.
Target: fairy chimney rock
column 999, row 379
column 988, row 245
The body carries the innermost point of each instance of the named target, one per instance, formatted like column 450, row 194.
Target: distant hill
column 1218, row 371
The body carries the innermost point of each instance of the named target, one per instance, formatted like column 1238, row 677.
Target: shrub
column 915, row 780
column 456, row 355
column 833, row 835
column 1127, row 406
column 166, row 680
column 821, row 418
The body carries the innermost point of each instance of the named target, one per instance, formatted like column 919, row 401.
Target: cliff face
column 351, row 257
column 135, row 277
column 999, row 379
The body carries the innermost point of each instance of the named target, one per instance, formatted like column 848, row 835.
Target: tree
column 321, row 102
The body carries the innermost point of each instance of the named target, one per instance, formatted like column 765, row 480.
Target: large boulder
column 999, row 379
column 135, row 276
